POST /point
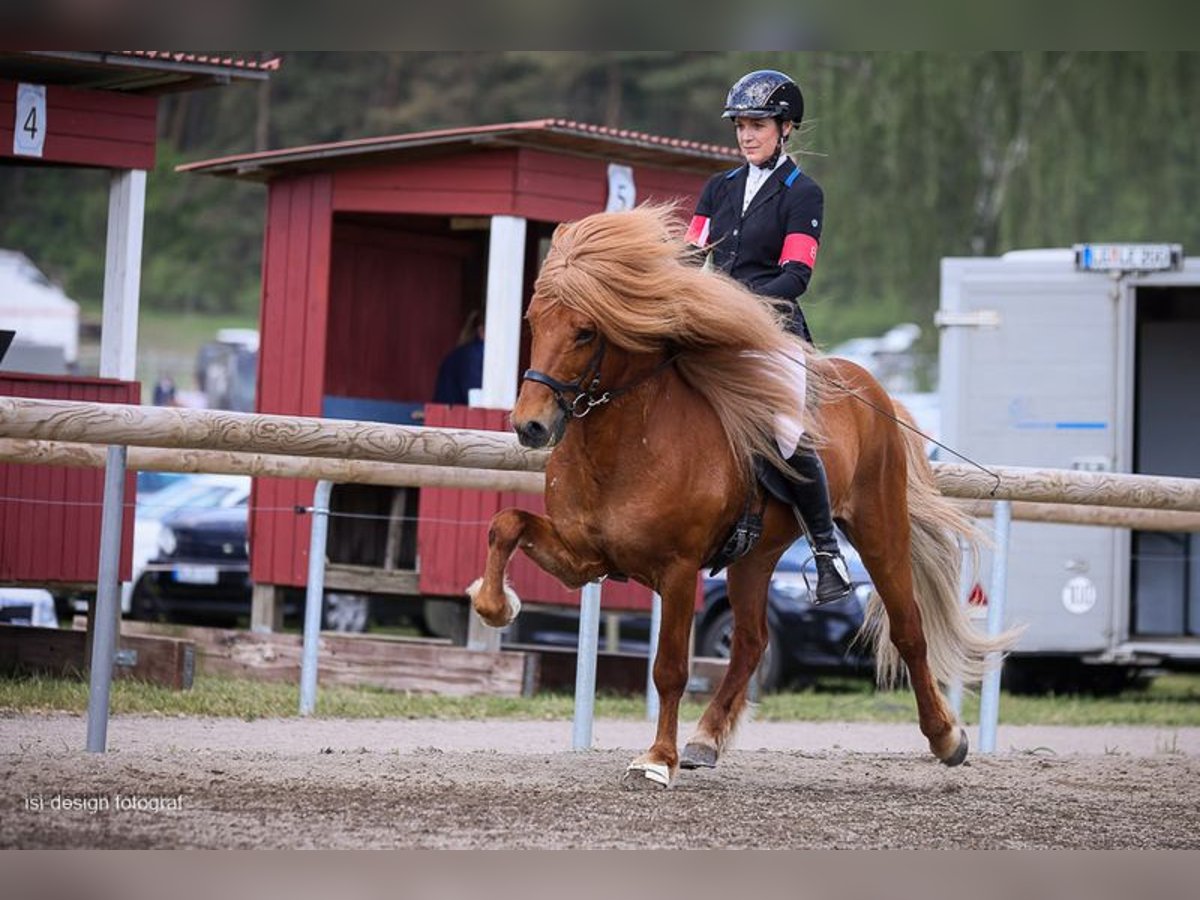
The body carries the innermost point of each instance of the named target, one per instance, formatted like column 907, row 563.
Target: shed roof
column 131, row 71
column 562, row 135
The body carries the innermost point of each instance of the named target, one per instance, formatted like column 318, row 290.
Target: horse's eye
column 585, row 336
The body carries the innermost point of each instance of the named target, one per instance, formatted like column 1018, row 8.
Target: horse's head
column 563, row 375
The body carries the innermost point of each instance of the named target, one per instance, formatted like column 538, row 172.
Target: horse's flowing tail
column 957, row 651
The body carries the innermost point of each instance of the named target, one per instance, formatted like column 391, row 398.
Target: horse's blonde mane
column 633, row 274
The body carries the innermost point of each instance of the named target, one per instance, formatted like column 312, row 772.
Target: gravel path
column 193, row 782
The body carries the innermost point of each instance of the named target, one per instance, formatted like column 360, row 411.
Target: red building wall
column 397, row 302
column 479, row 184
column 50, row 515
column 87, row 128
column 291, row 370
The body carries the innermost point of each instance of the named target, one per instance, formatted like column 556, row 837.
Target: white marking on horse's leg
column 512, row 600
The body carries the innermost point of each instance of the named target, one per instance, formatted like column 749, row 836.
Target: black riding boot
column 811, row 499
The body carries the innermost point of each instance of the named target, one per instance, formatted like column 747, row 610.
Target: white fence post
column 585, row 666
column 314, row 596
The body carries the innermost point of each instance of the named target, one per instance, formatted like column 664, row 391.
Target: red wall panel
column 397, row 303
column 553, row 187
column 452, row 532
column 294, row 318
column 91, row 128
column 50, row 515
column 480, row 183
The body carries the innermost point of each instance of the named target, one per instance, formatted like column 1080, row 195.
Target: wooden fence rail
column 344, row 471
column 215, row 440
column 1110, row 516
column 1069, row 486
column 210, row 429
column 226, row 462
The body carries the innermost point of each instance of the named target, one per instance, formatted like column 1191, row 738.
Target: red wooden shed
column 376, row 252
column 99, row 109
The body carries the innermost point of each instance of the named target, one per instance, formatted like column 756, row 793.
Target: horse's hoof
column 646, row 777
column 512, row 605
column 960, row 753
column 698, row 756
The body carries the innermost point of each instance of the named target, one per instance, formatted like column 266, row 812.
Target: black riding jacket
column 773, row 247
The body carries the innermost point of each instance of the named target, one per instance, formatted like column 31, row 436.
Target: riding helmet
column 764, row 94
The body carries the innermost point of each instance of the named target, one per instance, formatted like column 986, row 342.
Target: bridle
column 585, row 399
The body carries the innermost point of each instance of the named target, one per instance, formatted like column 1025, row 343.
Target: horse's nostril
column 533, row 434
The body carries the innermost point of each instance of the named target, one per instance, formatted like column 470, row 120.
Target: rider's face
column 757, row 138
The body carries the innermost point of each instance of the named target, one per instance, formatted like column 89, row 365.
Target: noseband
column 585, row 399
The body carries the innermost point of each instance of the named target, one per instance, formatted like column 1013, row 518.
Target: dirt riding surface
column 184, row 782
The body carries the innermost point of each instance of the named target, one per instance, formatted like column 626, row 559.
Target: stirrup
column 836, row 568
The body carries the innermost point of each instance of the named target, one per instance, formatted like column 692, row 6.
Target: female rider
column 762, row 223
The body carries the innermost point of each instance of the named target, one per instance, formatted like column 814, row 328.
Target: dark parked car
column 202, row 574
column 202, row 570
column 805, row 640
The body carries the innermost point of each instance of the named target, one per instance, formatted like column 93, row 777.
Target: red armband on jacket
column 801, row 248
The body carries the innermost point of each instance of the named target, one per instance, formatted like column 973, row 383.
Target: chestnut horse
column 657, row 384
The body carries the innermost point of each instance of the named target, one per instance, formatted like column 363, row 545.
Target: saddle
column 748, row 529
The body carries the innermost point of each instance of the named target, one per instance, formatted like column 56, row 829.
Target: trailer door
column 1166, row 565
column 1028, row 377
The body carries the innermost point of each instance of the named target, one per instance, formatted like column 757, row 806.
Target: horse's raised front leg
column 657, row 767
column 747, row 582
column 495, row 602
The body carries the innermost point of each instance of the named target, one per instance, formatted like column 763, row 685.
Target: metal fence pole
column 314, row 596
column 652, row 655
column 106, row 614
column 585, row 666
column 989, row 698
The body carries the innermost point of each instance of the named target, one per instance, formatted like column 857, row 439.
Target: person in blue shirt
column 762, row 224
column 462, row 368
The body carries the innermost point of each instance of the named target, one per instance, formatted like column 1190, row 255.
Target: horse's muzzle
column 537, row 435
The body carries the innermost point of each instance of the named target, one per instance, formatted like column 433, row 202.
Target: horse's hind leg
column 748, row 580
column 887, row 556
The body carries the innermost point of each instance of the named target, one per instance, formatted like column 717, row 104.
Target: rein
column 585, row 399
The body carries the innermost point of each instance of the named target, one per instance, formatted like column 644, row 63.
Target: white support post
column 314, row 597
column 122, row 275
column 585, row 666
column 118, row 359
column 505, row 281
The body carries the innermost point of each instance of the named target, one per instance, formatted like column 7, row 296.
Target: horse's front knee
column 505, row 528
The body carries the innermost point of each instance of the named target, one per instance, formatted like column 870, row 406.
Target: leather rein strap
column 585, row 399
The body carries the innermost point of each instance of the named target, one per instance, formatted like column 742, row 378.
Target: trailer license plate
column 1128, row 257
column 197, row 574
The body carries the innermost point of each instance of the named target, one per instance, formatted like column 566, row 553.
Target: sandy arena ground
column 186, row 782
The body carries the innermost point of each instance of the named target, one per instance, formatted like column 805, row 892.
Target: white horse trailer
column 1087, row 359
